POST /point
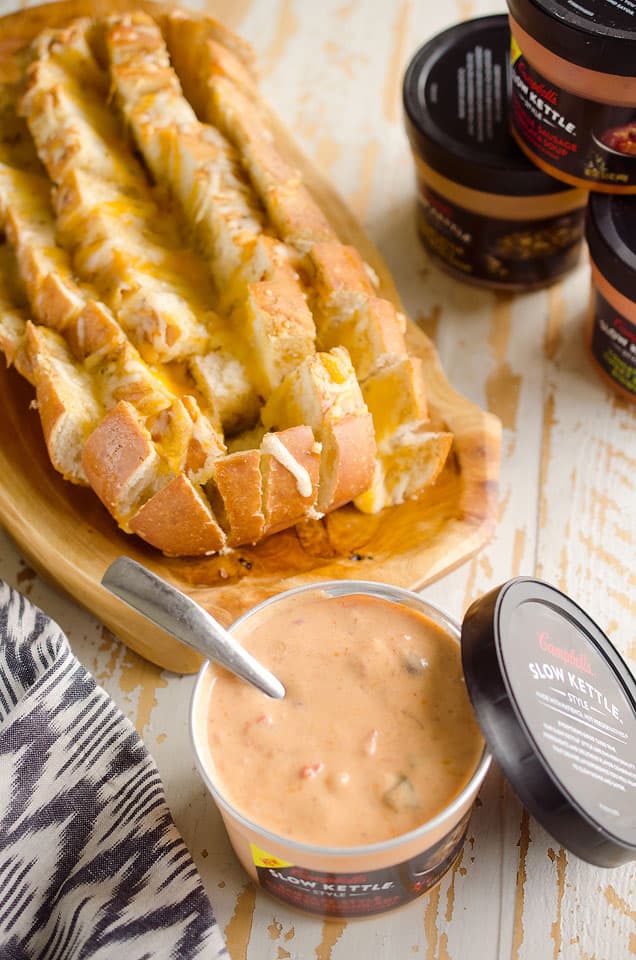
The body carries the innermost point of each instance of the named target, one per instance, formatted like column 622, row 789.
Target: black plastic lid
column 611, row 236
column 557, row 706
column 457, row 100
column 593, row 34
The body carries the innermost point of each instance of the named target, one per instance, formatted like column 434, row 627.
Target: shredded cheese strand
column 272, row 445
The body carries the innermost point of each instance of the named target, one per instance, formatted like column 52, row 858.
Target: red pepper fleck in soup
column 374, row 737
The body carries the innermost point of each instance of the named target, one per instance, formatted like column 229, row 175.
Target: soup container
column 611, row 236
column 574, row 90
column 338, row 881
column 556, row 704
column 485, row 213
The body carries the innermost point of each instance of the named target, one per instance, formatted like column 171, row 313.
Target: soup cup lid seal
column 557, row 706
column 611, row 236
column 479, row 153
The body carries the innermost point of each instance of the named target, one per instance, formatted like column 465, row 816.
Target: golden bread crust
column 121, row 463
column 178, row 521
column 348, row 455
column 238, row 483
column 66, row 403
column 284, row 501
column 189, row 296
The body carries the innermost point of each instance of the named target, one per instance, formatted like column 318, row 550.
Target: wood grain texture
column 68, row 536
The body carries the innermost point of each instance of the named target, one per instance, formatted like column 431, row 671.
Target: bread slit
column 14, row 317
column 269, row 313
column 66, row 402
column 206, row 354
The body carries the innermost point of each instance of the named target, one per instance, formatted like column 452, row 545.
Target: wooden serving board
column 68, row 536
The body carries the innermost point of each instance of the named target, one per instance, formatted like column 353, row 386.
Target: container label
column 361, row 894
column 509, row 252
column 614, row 345
column 579, row 137
column 577, row 712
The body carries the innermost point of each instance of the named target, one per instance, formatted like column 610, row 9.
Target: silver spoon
column 176, row 613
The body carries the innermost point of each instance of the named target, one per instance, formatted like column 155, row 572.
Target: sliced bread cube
column 395, row 395
column 178, row 521
column 236, row 493
column 67, row 405
column 121, row 463
column 372, row 333
column 290, row 466
column 280, row 327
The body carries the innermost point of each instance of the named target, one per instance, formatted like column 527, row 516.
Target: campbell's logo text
column 570, row 657
column 540, row 100
column 549, row 94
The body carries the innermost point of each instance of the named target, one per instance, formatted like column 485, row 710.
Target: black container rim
column 510, row 734
column 611, row 236
column 480, row 167
column 600, row 46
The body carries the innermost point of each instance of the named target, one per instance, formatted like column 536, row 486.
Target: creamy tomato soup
column 374, row 737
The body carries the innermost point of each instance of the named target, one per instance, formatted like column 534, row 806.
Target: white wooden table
column 567, row 514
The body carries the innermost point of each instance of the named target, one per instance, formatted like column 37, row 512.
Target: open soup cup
column 342, row 878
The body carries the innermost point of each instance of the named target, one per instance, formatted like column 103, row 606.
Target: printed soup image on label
column 487, row 248
column 586, row 139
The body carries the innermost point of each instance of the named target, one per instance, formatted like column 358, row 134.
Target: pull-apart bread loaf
column 206, row 354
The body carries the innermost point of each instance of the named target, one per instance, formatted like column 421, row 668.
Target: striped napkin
column 91, row 863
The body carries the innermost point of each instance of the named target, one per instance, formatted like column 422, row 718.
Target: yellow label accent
column 263, row 859
column 515, row 50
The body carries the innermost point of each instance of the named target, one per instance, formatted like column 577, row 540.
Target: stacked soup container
column 523, row 130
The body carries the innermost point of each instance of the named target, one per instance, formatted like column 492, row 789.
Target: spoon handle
column 176, row 613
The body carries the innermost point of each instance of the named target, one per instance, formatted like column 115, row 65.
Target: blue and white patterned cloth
column 91, row 863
